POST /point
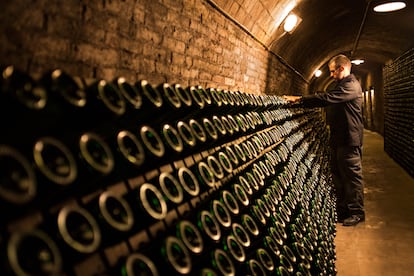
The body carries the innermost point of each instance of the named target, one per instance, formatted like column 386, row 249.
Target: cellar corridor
column 384, row 243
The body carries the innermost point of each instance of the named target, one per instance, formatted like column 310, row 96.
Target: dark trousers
column 346, row 165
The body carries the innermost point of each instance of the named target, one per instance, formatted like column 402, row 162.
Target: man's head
column 339, row 67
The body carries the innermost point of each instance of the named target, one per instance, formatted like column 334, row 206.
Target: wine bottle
column 278, row 233
column 230, row 202
column 223, row 263
column 206, row 271
column 285, row 264
column 56, row 167
column 238, row 100
column 241, row 235
column 152, row 102
column 253, row 183
column 205, row 176
column 222, row 215
column 215, row 167
column 251, row 226
column 75, row 231
column 188, row 182
column 234, row 248
column 148, row 203
column 198, row 131
column 130, row 93
column 129, row 155
column 225, row 162
column 231, row 155
column 172, row 107
column 222, row 131
column 233, row 126
column 67, row 98
column 201, row 99
column 273, row 247
column 137, row 264
column 171, row 189
column 19, row 185
column 133, row 97
column 241, row 153
column 172, row 140
column 210, row 228
column 184, row 95
column 153, row 144
column 241, row 195
column 211, row 132
column 21, row 94
column 302, row 254
column 32, row 252
column 305, row 269
column 290, row 255
column 241, row 122
column 216, row 99
column 191, row 236
column 258, row 216
column 187, row 135
column 227, row 125
column 114, row 216
column 176, row 256
column 37, row 174
column 170, row 95
column 255, row 174
column 96, row 161
column 245, row 185
column 254, row 267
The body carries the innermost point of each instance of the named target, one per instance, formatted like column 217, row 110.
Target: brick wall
column 176, row 41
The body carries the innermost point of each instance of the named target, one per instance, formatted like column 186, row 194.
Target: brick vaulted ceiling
column 328, row 27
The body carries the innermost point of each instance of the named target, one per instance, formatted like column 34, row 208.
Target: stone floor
column 384, row 243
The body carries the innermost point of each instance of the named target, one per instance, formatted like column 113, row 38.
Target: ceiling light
column 389, row 6
column 357, row 61
column 318, row 73
column 290, row 23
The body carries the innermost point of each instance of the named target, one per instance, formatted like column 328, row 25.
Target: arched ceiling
column 327, row 27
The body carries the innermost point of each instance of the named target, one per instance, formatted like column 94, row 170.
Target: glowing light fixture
column 357, row 61
column 318, row 73
column 389, row 6
column 291, row 22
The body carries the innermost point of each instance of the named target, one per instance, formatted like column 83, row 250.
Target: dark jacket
column 345, row 112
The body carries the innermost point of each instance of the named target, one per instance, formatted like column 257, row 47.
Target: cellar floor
column 384, row 243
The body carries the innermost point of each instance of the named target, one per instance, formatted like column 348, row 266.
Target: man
column 346, row 126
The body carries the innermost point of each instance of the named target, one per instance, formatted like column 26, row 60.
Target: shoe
column 352, row 220
column 341, row 217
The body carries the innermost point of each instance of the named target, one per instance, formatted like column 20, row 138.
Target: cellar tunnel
column 223, row 66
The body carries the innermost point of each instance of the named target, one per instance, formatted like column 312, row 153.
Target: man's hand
column 292, row 99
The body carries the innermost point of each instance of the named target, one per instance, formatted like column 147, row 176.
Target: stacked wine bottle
column 399, row 111
column 115, row 177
